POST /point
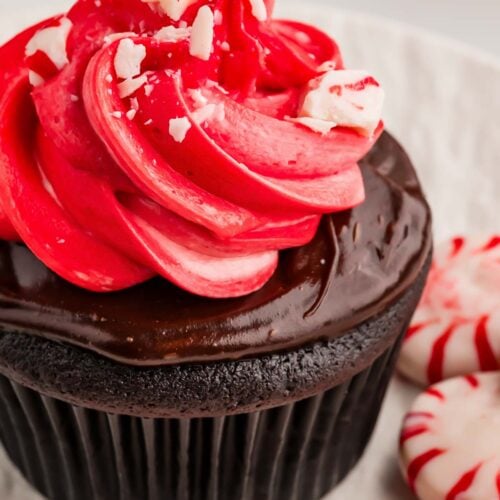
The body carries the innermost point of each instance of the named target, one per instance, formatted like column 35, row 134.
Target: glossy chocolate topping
column 360, row 261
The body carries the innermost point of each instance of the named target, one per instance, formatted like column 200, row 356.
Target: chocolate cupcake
column 202, row 292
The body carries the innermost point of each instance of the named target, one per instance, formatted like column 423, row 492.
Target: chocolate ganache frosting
column 360, row 261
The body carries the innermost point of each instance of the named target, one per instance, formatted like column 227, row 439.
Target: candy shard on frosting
column 52, row 42
column 108, row 39
column 259, row 9
column 218, row 17
column 131, row 85
column 315, row 124
column 178, row 128
column 35, row 79
column 173, row 8
column 173, row 34
column 128, row 59
column 209, row 112
column 202, row 34
column 198, row 98
column 345, row 98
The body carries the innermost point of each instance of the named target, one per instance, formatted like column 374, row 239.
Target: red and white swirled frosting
column 182, row 138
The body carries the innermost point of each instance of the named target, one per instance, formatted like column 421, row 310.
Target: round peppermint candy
column 450, row 442
column 456, row 329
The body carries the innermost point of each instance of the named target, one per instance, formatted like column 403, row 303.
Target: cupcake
column 210, row 253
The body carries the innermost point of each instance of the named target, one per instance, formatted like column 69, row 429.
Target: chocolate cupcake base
column 279, row 439
column 197, row 390
column 294, row 452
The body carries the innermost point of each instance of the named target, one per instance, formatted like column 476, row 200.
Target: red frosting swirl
column 150, row 152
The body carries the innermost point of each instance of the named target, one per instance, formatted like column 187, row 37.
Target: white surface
column 473, row 21
column 442, row 102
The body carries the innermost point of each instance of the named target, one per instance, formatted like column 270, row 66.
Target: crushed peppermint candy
column 173, row 8
column 259, row 9
column 134, row 103
column 130, row 114
column 218, row 18
column 128, row 59
column 202, row 34
column 131, row 85
column 209, row 112
column 345, row 98
column 198, row 98
column 113, row 37
column 173, row 34
column 35, row 79
column 52, row 41
column 178, row 128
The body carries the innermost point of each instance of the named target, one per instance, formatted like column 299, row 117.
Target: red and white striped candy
column 450, row 442
column 456, row 329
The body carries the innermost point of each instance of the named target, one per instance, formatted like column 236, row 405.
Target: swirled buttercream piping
column 192, row 140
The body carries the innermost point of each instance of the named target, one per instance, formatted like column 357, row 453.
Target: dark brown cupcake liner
column 295, row 452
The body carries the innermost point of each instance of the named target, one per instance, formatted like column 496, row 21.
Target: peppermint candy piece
column 345, row 98
column 456, row 329
column 450, row 444
column 46, row 51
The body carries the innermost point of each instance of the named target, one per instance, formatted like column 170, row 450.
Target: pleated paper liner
column 295, row 452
